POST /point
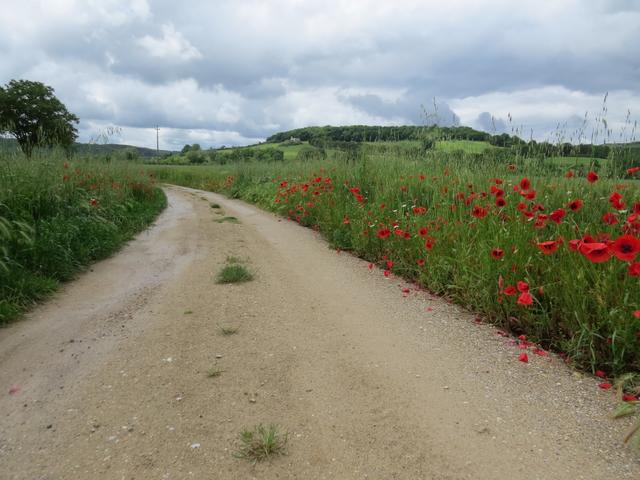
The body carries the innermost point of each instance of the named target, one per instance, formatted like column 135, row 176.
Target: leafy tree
column 30, row 112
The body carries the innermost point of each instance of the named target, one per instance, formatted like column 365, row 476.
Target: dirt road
column 112, row 372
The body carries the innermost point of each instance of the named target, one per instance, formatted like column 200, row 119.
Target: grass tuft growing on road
column 227, row 331
column 234, row 273
column 262, row 443
column 228, row 220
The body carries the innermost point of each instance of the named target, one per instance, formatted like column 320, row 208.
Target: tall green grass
column 584, row 310
column 57, row 216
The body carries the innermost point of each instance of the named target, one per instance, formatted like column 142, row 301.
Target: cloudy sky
column 229, row 72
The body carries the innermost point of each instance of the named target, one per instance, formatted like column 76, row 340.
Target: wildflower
column 497, row 253
column 634, row 269
column 525, row 184
column 479, row 212
column 523, row 357
column 548, row 247
column 626, row 248
column 575, row 205
column 384, row 233
column 596, row 252
column 569, row 174
column 525, row 299
column 510, row 290
column 423, row 232
column 633, row 170
column 605, row 385
column 557, row 215
column 610, row 218
column 592, row 177
column 93, row 202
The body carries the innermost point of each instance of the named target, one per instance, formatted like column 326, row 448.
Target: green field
column 467, row 146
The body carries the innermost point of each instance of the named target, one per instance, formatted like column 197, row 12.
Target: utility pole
column 157, row 139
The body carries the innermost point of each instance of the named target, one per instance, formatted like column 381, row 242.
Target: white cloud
column 540, row 111
column 172, row 45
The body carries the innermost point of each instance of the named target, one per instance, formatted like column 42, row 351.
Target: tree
column 30, row 112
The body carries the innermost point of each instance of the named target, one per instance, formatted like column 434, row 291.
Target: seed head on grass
column 234, row 273
column 262, row 443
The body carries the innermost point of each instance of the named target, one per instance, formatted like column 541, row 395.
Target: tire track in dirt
column 367, row 383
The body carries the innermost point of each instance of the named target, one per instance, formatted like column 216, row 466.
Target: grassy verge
column 57, row 216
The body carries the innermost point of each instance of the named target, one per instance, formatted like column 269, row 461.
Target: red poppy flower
column 605, row 385
column 636, row 314
column 525, row 184
column 557, row 215
column 575, row 205
column 600, row 374
column 510, row 290
column 548, row 247
column 616, row 201
column 592, row 177
column 628, row 397
column 569, row 174
column 634, row 269
column 429, row 243
column 387, row 273
column 523, row 287
column 423, row 232
column 420, row 262
column 419, row 210
column 523, row 357
column 633, row 170
column 479, row 212
column 370, row 266
column 497, row 253
column 610, row 218
column 596, row 252
column 540, row 352
column 345, row 220
column 389, row 264
column 93, row 202
column 384, row 233
column 525, row 298
column 500, row 202
column 626, row 248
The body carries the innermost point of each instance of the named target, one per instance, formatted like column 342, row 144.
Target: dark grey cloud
column 242, row 69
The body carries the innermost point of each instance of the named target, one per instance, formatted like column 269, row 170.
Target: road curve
column 108, row 378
